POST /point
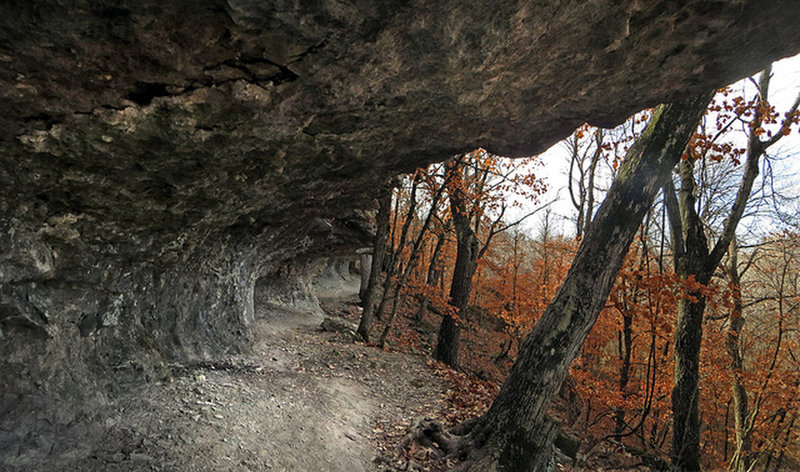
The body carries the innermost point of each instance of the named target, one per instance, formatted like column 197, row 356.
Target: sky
column 784, row 87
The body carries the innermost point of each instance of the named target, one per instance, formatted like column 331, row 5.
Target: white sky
column 784, row 87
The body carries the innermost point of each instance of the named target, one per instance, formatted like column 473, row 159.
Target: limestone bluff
column 158, row 158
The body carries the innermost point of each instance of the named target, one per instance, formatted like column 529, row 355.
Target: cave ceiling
column 133, row 126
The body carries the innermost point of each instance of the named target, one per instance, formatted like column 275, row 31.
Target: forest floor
column 303, row 400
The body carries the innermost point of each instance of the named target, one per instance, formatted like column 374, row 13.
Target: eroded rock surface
column 158, row 158
column 301, row 400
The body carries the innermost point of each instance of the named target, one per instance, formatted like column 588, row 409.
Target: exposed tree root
column 471, row 446
column 433, row 435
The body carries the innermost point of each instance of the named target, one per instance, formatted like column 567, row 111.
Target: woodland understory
column 682, row 326
column 329, row 235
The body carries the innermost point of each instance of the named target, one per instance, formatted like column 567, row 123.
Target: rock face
column 158, row 158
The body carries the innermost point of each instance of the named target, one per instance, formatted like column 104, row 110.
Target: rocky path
column 304, row 400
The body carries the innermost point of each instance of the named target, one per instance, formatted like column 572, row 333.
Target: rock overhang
column 156, row 158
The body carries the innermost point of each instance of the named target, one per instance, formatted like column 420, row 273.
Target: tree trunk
column 371, row 297
column 365, row 262
column 508, row 437
column 625, row 352
column 466, row 262
column 450, row 329
column 741, row 460
column 685, row 419
column 434, row 274
column 691, row 260
column 598, row 153
column 413, row 255
column 694, row 260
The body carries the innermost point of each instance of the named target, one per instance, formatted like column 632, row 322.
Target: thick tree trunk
column 365, row 263
column 372, row 295
column 448, row 341
column 691, row 260
column 508, row 437
column 450, row 329
column 685, row 419
column 466, row 262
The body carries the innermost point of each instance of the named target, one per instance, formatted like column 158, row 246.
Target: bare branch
column 526, row 216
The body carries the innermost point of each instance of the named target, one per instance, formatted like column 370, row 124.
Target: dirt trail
column 304, row 400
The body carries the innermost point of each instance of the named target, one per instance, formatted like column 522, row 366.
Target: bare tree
column 583, row 159
column 694, row 262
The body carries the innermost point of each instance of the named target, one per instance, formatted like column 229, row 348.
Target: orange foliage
column 646, row 293
column 624, row 376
